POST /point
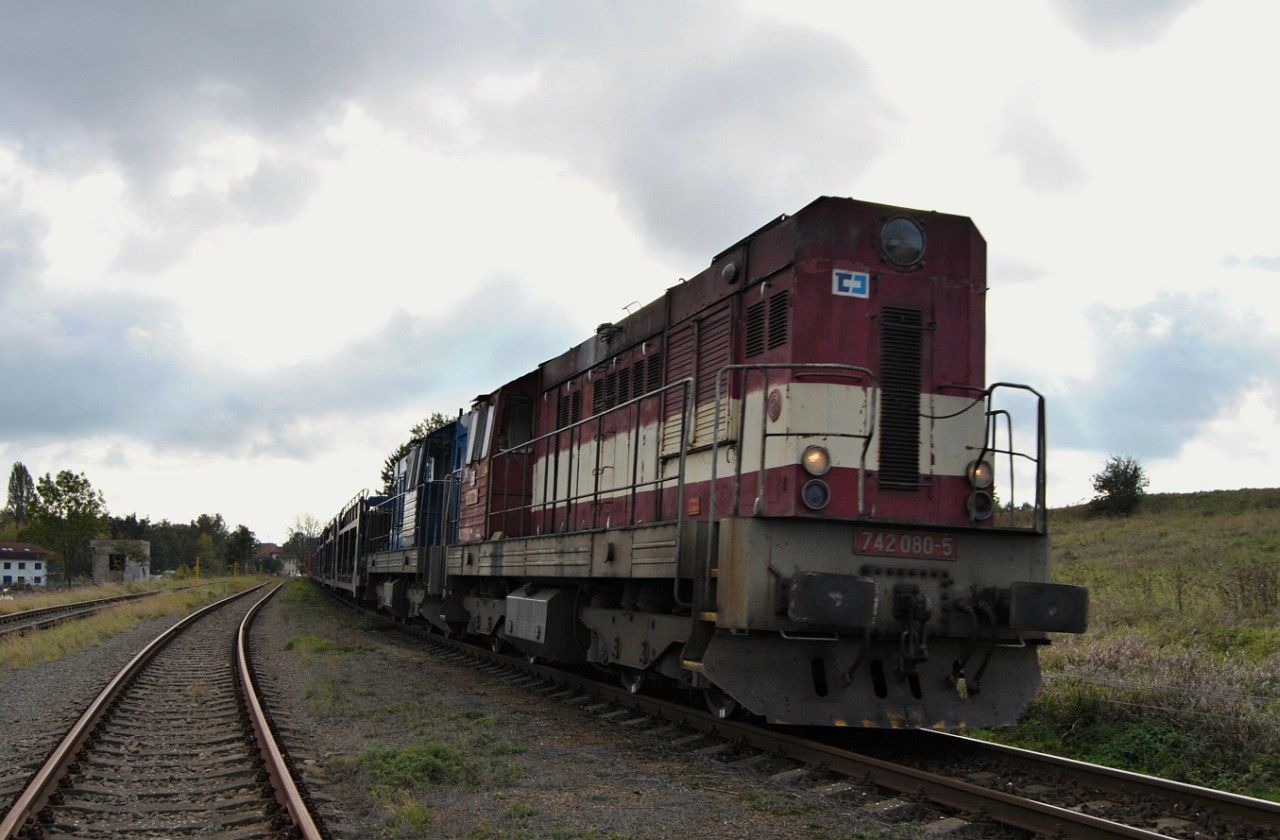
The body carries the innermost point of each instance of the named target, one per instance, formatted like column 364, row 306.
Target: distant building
column 266, row 555
column 116, row 561
column 23, row 563
column 290, row 566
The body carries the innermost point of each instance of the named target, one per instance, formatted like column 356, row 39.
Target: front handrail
column 986, row 396
column 763, row 369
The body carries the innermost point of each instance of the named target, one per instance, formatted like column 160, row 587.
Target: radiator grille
column 779, row 305
column 900, row 397
column 755, row 329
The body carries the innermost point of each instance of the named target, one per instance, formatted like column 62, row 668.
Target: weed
column 317, row 644
column 416, row 766
column 409, row 818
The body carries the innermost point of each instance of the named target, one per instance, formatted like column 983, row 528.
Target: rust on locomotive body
column 776, row 484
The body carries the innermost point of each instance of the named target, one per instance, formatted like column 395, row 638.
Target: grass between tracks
column 1179, row 673
column 79, row 634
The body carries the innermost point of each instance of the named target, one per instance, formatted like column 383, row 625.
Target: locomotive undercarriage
column 788, row 621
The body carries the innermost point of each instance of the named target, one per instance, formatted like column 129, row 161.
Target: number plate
column 906, row 544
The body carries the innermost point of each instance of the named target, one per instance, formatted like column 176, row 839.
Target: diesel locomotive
column 785, row 484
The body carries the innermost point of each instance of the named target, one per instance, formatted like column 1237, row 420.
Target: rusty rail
column 286, row 790
column 44, row 782
column 41, row 617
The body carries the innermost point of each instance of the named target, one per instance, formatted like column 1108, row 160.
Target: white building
column 23, row 563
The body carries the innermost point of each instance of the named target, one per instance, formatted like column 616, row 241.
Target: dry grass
column 77, row 635
column 1179, row 673
column 37, row 598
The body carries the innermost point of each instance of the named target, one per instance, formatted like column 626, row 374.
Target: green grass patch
column 416, row 766
column 317, row 644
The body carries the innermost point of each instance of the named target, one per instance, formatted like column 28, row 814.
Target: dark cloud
column 116, row 366
column 705, row 125
column 1045, row 158
column 1121, row 23
column 1163, row 371
column 703, row 121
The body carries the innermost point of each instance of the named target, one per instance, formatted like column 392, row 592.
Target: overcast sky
column 244, row 246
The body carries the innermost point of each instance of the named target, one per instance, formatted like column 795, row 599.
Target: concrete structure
column 116, row 561
column 23, row 564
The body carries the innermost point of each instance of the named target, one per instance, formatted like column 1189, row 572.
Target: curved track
column 1048, row 795
column 176, row 744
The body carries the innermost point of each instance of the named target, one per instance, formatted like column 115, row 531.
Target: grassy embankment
column 80, row 634
column 1179, row 674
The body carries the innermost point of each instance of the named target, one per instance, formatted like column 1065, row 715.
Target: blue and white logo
column 851, row 283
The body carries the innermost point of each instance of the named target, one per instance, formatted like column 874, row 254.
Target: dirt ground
column 393, row 741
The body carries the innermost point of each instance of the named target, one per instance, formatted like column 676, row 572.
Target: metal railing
column 560, row 448
column 827, row 369
column 417, row 517
column 993, row 416
column 560, row 451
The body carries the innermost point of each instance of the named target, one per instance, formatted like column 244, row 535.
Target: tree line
column 63, row 512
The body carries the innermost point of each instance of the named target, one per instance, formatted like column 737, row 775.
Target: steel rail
column 286, row 789
column 41, row 617
column 1008, row 809
column 1259, row 812
column 44, row 782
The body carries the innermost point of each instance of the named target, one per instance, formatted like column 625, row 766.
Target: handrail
column 763, row 369
column 550, row 501
column 987, row 397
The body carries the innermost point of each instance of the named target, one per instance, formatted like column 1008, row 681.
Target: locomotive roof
column 764, row 251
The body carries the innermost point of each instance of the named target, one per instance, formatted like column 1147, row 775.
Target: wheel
column 721, row 705
column 632, row 679
column 496, row 643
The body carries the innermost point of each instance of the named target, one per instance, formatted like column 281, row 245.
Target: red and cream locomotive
column 775, row 484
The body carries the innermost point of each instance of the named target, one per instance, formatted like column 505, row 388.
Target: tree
column 417, row 432
column 304, row 537
column 241, row 546
column 1120, row 486
column 211, row 563
column 66, row 512
column 22, row 491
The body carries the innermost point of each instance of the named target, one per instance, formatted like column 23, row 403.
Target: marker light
column 980, row 474
column 980, row 505
column 815, row 494
column 902, row 241
column 816, row 460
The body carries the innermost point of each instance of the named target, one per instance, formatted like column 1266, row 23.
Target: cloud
column 1165, row 370
column 1045, row 158
column 1266, row 263
column 701, row 119
column 116, row 366
column 1116, row 24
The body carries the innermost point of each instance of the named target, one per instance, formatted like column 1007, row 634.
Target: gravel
column 41, row 701
column 349, row 699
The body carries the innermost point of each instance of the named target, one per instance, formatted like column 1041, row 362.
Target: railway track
column 176, row 744
column 38, row 619
column 1040, row 794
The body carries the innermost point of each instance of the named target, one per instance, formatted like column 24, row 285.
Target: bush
column 1120, row 486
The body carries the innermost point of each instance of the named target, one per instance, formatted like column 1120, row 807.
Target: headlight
column 980, row 505
column 815, row 494
column 980, row 474
column 816, row 460
column 902, row 241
